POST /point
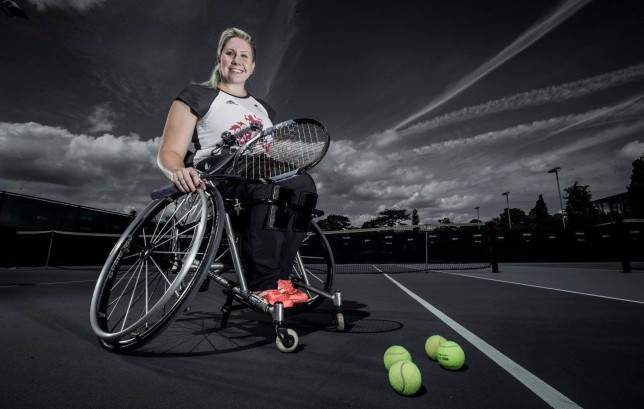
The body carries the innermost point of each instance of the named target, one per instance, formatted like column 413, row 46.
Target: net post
column 426, row 246
column 494, row 249
column 51, row 240
column 622, row 246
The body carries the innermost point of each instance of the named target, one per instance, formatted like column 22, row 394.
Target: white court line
column 546, row 392
column 52, row 283
column 543, row 287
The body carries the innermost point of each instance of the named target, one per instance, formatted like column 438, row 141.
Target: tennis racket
column 278, row 153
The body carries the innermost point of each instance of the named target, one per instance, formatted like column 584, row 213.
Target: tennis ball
column 404, row 377
column 431, row 344
column 450, row 355
column 394, row 354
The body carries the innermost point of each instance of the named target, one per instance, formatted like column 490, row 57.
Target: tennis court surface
column 534, row 335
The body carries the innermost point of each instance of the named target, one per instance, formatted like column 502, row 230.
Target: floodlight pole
column 556, row 172
column 507, row 198
column 478, row 217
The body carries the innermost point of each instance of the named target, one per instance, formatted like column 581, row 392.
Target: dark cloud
column 87, row 85
column 102, row 171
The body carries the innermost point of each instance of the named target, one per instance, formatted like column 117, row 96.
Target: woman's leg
column 293, row 238
column 268, row 254
column 258, row 246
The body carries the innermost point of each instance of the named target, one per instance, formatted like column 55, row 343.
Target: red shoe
column 286, row 287
column 272, row 296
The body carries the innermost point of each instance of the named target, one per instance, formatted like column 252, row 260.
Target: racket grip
column 164, row 191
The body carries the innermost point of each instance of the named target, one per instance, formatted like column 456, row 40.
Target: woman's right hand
column 188, row 180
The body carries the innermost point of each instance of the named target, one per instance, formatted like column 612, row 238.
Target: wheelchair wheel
column 286, row 340
column 314, row 266
column 155, row 268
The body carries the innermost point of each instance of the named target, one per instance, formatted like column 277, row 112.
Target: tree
column 371, row 224
column 334, row 222
column 387, row 218
column 445, row 220
column 636, row 189
column 518, row 218
column 394, row 217
column 539, row 216
column 415, row 220
column 580, row 211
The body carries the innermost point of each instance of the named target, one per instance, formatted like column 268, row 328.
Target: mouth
column 236, row 71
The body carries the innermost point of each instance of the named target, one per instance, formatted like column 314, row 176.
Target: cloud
column 102, row 119
column 79, row 5
column 449, row 178
column 526, row 39
column 631, row 151
column 457, row 201
column 441, row 180
column 382, row 139
column 104, row 171
column 555, row 93
column 623, row 111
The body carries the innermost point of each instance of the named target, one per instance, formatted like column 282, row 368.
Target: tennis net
column 395, row 249
column 410, row 248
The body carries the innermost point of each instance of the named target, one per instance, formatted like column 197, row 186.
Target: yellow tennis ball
column 450, row 355
column 394, row 354
column 431, row 344
column 404, row 377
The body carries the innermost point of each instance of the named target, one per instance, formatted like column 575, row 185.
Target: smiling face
column 236, row 61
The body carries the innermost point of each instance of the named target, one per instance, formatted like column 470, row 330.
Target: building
column 22, row 212
column 613, row 208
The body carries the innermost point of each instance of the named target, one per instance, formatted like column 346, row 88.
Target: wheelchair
column 181, row 243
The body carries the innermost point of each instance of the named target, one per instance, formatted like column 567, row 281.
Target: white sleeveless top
column 223, row 115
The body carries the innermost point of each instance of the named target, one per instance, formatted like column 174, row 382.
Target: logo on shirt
column 230, row 101
column 245, row 130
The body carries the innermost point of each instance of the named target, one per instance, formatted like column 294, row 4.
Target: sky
column 439, row 106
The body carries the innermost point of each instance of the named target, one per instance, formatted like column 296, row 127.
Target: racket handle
column 164, row 191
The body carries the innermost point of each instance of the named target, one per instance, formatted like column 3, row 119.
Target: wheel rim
column 148, row 266
column 314, row 266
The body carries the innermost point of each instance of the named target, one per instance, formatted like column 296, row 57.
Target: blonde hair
column 227, row 34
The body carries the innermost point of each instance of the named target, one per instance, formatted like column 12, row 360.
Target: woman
column 211, row 115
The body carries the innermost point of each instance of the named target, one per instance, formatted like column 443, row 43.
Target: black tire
column 156, row 268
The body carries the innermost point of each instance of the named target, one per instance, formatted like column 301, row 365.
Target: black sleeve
column 271, row 112
column 198, row 98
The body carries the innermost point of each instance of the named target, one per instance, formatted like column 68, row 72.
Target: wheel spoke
column 127, row 312
column 118, row 299
column 175, row 236
column 160, row 271
column 155, row 268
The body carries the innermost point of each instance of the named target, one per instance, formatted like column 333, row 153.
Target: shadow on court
column 198, row 332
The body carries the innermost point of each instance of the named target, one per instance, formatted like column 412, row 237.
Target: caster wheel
column 339, row 322
column 286, row 340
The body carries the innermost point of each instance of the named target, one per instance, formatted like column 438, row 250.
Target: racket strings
column 285, row 150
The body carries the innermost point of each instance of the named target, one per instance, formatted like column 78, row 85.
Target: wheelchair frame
column 172, row 250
